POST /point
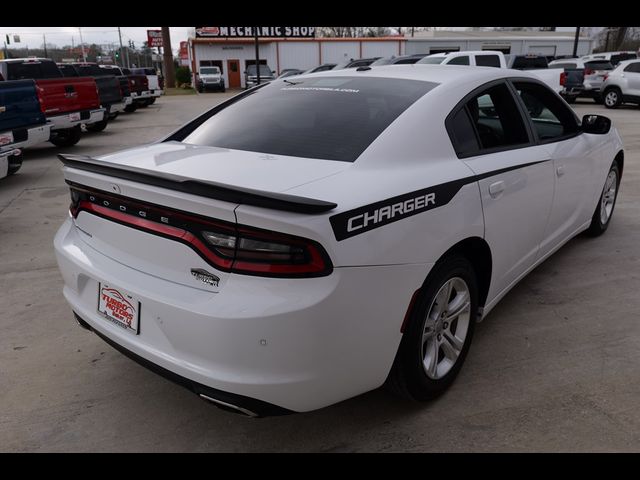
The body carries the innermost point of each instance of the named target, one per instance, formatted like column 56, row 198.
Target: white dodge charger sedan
column 319, row 236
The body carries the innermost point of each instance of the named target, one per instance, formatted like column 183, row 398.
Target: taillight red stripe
column 179, row 234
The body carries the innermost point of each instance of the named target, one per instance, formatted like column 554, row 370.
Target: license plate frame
column 119, row 307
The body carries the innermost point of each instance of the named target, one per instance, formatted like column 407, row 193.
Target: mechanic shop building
column 232, row 49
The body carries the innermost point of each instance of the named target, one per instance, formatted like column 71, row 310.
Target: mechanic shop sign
column 248, row 32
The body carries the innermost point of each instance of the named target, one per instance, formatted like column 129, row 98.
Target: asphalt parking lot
column 553, row 368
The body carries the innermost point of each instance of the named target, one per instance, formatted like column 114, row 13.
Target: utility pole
column 84, row 57
column 44, row 40
column 575, row 42
column 257, row 56
column 121, row 58
column 170, row 74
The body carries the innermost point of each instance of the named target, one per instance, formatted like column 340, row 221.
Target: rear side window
column 496, row 119
column 633, row 67
column 332, row 118
column 463, row 136
column 488, row 61
column 407, row 61
column 90, row 70
column 551, row 118
column 459, row 61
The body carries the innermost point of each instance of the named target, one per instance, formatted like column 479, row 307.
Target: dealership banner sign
column 242, row 32
column 154, row 38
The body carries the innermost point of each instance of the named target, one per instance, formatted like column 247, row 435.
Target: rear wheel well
column 477, row 251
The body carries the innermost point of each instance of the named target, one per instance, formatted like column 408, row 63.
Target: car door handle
column 496, row 188
column 560, row 171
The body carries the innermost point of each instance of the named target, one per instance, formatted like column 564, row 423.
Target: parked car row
column 607, row 77
column 43, row 101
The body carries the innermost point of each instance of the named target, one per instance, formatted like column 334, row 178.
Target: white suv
column 622, row 85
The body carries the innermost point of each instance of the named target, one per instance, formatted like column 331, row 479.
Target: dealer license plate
column 74, row 117
column 119, row 307
column 6, row 138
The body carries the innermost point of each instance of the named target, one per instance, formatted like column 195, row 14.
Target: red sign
column 154, row 38
column 184, row 53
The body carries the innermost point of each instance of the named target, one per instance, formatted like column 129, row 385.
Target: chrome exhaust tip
column 82, row 323
column 228, row 406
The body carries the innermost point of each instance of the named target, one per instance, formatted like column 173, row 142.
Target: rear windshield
column 599, row 65
column 617, row 58
column 91, row 70
column 564, row 65
column 525, row 63
column 211, row 70
column 332, row 118
column 264, row 70
column 432, row 60
column 144, row 71
column 68, row 70
column 108, row 71
column 35, row 69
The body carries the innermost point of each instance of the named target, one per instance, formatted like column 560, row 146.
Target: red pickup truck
column 66, row 102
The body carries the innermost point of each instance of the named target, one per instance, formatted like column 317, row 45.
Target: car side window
column 551, row 119
column 459, row 61
column 488, row 61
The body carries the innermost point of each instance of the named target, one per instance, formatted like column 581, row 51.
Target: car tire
column 144, row 104
column 131, row 108
column 113, row 116
column 223, row 89
column 427, row 361
column 98, row 126
column 570, row 99
column 152, row 101
column 597, row 98
column 612, row 97
column 606, row 203
column 15, row 162
column 67, row 137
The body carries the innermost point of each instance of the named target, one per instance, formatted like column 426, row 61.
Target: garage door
column 546, row 50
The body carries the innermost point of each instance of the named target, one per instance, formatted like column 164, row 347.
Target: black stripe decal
column 364, row 219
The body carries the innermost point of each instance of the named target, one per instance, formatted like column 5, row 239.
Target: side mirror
column 273, row 71
column 596, row 124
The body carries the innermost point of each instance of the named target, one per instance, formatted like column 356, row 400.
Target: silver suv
column 622, row 85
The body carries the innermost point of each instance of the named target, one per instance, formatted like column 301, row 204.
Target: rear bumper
column 297, row 344
column 116, row 107
column 236, row 403
column 139, row 96
column 70, row 120
column 32, row 136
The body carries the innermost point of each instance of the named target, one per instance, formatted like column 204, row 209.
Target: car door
column 515, row 178
column 556, row 128
column 632, row 74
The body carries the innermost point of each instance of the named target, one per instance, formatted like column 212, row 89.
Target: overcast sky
column 60, row 36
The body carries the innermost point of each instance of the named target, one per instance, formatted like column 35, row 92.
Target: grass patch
column 179, row 91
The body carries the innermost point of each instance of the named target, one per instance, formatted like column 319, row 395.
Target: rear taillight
column 40, row 91
column 226, row 246
column 606, row 75
column 563, row 78
column 588, row 71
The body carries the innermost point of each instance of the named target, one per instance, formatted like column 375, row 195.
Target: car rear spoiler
column 203, row 188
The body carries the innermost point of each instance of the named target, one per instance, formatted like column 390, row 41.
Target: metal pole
column 44, row 39
column 257, row 56
column 575, row 42
column 84, row 57
column 120, row 36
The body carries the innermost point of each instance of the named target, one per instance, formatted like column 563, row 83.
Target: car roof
column 442, row 74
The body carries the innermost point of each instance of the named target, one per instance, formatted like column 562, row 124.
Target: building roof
column 492, row 35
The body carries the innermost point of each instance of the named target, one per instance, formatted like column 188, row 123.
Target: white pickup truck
column 536, row 64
